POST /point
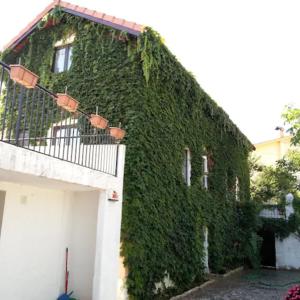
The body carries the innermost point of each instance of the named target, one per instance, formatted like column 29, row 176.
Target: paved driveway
column 249, row 285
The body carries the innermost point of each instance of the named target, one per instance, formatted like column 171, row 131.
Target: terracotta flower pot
column 117, row 132
column 51, row 22
column 98, row 121
column 67, row 102
column 23, row 76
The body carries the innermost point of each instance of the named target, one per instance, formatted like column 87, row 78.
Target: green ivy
column 139, row 82
column 283, row 227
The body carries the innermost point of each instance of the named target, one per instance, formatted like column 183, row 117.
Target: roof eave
column 101, row 21
column 29, row 29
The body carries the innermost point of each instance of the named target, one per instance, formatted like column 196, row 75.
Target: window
column 186, row 168
column 64, row 135
column 63, row 58
column 205, row 172
column 237, row 189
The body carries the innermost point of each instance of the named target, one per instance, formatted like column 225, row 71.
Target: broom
column 65, row 295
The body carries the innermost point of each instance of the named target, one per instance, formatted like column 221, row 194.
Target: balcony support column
column 106, row 268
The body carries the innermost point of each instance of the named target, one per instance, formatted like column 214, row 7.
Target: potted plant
column 98, row 121
column 117, row 132
column 50, row 23
column 23, row 76
column 67, row 102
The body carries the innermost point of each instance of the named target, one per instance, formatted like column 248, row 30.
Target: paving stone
column 249, row 285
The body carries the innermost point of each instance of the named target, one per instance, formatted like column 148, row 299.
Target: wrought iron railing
column 31, row 119
column 272, row 212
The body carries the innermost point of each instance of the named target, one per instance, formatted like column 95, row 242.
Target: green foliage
column 282, row 227
column 270, row 186
column 249, row 224
column 162, row 107
column 291, row 116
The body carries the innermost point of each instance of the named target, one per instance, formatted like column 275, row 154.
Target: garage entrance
column 268, row 253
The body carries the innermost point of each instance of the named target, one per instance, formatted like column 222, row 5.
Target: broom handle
column 67, row 272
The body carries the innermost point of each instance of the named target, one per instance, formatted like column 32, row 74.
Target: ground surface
column 249, row 285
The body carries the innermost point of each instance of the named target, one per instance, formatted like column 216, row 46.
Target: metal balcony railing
column 31, row 119
column 272, row 212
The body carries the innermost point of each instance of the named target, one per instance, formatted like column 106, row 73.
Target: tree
column 291, row 116
column 269, row 188
column 270, row 184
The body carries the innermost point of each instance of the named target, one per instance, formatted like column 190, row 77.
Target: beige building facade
column 270, row 151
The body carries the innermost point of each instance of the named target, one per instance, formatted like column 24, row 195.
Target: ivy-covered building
column 186, row 170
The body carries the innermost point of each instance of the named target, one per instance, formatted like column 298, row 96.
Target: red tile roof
column 98, row 17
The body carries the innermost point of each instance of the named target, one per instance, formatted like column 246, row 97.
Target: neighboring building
column 276, row 252
column 186, row 171
column 268, row 152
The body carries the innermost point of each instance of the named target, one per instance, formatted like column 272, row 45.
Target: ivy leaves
column 139, row 82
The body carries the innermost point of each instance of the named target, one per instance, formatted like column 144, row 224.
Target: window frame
column 67, row 137
column 237, row 189
column 205, row 172
column 66, row 67
column 187, row 167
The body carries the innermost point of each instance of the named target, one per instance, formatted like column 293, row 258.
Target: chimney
column 281, row 131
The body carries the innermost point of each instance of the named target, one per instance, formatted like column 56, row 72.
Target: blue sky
column 245, row 54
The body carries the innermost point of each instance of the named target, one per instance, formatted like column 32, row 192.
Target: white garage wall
column 38, row 225
column 288, row 252
column 84, row 210
column 44, row 213
column 30, row 243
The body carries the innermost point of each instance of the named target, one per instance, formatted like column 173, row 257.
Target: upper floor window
column 63, row 58
column 186, row 168
column 205, row 172
column 237, row 189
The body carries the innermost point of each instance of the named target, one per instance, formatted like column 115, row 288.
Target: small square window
column 186, row 168
column 63, row 59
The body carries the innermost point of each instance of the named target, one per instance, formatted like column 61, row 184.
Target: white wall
column 38, row 225
column 2, row 201
column 107, row 245
column 82, row 245
column 99, row 157
column 31, row 243
column 47, row 209
column 122, row 288
column 288, row 253
column 22, row 165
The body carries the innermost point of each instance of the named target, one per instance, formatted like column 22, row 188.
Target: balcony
column 30, row 118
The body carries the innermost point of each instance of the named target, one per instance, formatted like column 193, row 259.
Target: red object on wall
column 114, row 196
